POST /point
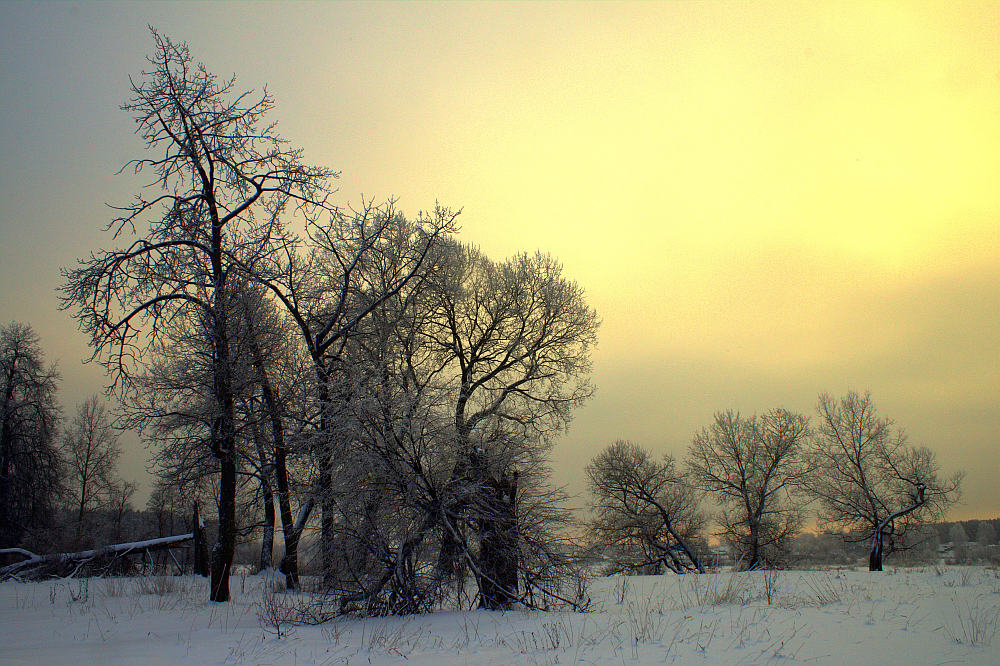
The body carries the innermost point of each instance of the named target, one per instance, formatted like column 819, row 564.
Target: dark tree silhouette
column 646, row 506
column 224, row 178
column 29, row 460
column 868, row 481
column 752, row 466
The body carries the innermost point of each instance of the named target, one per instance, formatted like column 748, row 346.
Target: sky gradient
column 762, row 201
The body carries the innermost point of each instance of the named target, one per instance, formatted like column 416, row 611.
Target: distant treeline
column 966, row 541
column 984, row 532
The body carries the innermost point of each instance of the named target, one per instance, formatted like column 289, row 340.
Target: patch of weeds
column 158, row 585
column 644, row 620
column 272, row 613
column 712, row 591
column 395, row 638
column 745, row 628
column 81, row 593
column 622, row 590
column 784, row 645
column 824, row 591
column 275, row 610
column 972, row 624
column 770, row 585
column 114, row 587
column 965, row 578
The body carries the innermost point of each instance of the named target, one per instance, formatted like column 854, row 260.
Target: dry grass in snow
column 902, row 616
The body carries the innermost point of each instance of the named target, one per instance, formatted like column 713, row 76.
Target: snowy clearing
column 948, row 615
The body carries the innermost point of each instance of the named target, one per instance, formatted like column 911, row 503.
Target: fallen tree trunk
column 53, row 564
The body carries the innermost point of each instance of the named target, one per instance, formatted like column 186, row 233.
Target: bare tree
column 175, row 411
column 169, row 506
column 516, row 338
column 279, row 379
column 868, row 481
column 225, row 180
column 397, row 497
column 119, row 503
column 90, row 450
column 29, row 460
column 356, row 261
column 752, row 466
column 644, row 509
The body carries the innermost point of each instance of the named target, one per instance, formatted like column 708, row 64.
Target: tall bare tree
column 90, row 450
column 517, row 337
column 29, row 461
column 225, row 178
column 396, row 489
column 868, row 482
column 356, row 260
column 644, row 509
column 753, row 466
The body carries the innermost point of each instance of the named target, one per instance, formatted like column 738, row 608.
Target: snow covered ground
column 948, row 615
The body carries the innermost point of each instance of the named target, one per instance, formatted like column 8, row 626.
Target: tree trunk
column 289, row 564
column 499, row 552
column 267, row 537
column 328, row 521
column 754, row 561
column 290, row 561
column 447, row 562
column 225, row 546
column 461, row 487
column 304, row 512
column 200, row 548
column 79, row 514
column 665, row 516
column 223, row 438
column 875, row 556
column 225, row 448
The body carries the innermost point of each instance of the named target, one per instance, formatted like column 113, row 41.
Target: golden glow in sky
column 762, row 200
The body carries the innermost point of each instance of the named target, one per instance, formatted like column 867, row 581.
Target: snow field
column 902, row 616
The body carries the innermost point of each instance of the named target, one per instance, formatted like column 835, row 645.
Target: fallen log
column 37, row 565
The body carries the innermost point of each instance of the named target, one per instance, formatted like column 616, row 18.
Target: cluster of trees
column 969, row 542
column 370, row 367
column 53, row 473
column 854, row 466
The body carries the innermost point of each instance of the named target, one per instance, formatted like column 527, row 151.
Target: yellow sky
column 763, row 200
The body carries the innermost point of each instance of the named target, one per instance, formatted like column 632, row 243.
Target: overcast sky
column 762, row 201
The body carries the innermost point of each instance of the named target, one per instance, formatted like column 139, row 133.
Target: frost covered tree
column 352, row 262
column 29, row 460
column 517, row 338
column 174, row 409
column 223, row 179
column 753, row 467
column 644, row 509
column 412, row 518
column 90, row 450
column 868, row 482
